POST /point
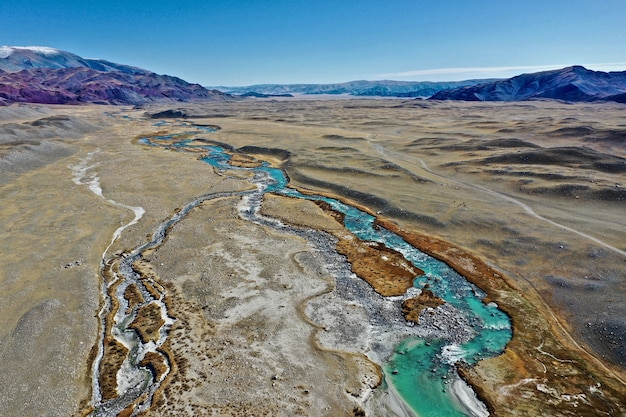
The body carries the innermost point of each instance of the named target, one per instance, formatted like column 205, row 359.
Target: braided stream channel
column 420, row 367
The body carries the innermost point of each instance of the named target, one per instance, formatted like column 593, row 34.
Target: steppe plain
column 526, row 200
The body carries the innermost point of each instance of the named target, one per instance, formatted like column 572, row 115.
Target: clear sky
column 229, row 42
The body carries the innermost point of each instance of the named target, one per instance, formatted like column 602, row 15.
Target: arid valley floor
column 526, row 200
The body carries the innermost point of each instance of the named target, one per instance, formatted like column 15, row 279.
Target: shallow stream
column 422, row 370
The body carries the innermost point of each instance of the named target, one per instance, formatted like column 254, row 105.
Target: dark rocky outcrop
column 262, row 95
column 169, row 114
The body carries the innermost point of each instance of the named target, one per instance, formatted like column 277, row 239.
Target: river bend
column 420, row 365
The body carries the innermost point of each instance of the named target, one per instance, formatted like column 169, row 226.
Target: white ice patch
column 508, row 389
column 453, row 353
column 547, row 390
column 595, row 389
column 129, row 377
column 412, row 292
column 168, row 322
column 464, row 394
column 498, row 326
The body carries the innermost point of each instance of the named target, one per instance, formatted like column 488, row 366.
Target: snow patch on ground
column 42, row 50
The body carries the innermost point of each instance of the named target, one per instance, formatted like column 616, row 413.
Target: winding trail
column 407, row 159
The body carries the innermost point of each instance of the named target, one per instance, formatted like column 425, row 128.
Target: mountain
column 50, row 76
column 17, row 58
column 574, row 83
column 383, row 88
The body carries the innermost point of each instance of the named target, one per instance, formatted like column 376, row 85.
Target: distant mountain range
column 356, row 88
column 572, row 84
column 51, row 76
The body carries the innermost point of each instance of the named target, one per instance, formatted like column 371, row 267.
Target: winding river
column 422, row 367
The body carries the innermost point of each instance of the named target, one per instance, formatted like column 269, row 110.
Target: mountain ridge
column 18, row 58
column 51, row 76
column 380, row 88
column 39, row 74
column 573, row 84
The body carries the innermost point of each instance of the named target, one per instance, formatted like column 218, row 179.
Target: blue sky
column 274, row 41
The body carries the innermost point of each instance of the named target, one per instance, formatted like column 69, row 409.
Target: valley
column 524, row 200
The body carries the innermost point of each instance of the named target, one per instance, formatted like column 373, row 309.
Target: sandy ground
column 533, row 189
column 246, row 288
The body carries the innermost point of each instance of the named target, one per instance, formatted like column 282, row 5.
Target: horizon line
column 612, row 66
column 452, row 74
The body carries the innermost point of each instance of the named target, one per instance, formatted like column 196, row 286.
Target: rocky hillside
column 50, row 76
column 574, row 83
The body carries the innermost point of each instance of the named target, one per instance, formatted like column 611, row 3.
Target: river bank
column 271, row 179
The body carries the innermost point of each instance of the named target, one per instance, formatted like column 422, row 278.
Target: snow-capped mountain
column 46, row 75
column 17, row 58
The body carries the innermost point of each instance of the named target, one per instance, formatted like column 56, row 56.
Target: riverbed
column 419, row 366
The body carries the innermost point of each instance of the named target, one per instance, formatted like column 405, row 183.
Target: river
column 421, row 368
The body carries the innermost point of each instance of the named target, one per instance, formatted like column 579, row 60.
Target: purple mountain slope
column 570, row 84
column 49, row 76
column 17, row 58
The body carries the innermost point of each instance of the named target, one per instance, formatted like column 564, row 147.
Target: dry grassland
column 527, row 200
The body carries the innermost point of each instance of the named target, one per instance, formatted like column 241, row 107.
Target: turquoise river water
column 420, row 369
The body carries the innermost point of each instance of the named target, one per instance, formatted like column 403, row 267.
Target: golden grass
column 456, row 179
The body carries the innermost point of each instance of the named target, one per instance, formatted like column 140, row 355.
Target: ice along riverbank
column 422, row 367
